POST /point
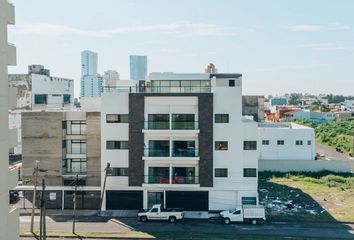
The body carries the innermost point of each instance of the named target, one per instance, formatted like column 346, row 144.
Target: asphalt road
column 279, row 229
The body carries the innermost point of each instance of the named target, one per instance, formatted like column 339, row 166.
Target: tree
column 294, row 98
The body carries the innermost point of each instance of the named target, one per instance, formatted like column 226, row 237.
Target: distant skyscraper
column 138, row 67
column 88, row 63
column 91, row 83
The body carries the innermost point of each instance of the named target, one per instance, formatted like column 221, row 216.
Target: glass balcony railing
column 185, row 153
column 154, row 179
column 179, row 125
column 151, row 152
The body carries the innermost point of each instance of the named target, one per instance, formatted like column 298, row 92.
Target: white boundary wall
column 306, row 166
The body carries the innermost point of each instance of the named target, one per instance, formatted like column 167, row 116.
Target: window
column 221, row 145
column 75, row 127
column 158, row 121
column 250, row 172
column 249, row 145
column 249, row 200
column 309, row 142
column 280, row 142
column 75, row 165
column 265, row 142
column 66, row 98
column 158, row 148
column 117, row 144
column 40, row 99
column 220, row 172
column 231, row 83
column 63, row 125
column 183, row 121
column 64, row 144
column 76, row 146
column 117, row 118
column 221, row 118
column 119, row 172
column 298, row 142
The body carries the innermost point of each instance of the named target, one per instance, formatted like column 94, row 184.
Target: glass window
column 158, row 121
column 184, row 149
column 221, row 145
column 183, row 121
column 249, row 200
column 120, row 172
column 183, row 175
column 298, row 142
column 75, row 127
column 309, row 142
column 40, row 99
column 220, row 172
column 158, row 175
column 117, row 118
column 158, row 148
column 265, row 142
column 76, row 146
column 66, row 98
column 75, row 165
column 117, row 145
column 280, row 142
column 249, row 145
column 221, row 118
column 231, row 83
column 250, row 172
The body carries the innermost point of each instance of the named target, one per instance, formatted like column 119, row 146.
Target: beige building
column 67, row 146
column 9, row 215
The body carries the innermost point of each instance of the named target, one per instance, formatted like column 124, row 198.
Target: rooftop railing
column 149, row 89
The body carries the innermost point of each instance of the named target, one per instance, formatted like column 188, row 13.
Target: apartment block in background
column 253, row 106
column 67, row 146
column 180, row 141
column 9, row 215
column 90, row 83
column 138, row 67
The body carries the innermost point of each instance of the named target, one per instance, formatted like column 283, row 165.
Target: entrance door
column 155, row 198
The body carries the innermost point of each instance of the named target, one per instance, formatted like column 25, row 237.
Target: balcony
column 156, row 179
column 13, row 177
column 149, row 89
column 177, row 154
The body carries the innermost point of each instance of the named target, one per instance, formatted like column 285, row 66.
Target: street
column 208, row 228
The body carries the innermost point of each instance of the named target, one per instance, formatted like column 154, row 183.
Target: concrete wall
column 42, row 137
column 306, row 166
column 93, row 124
column 253, row 106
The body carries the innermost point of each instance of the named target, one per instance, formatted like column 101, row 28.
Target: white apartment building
column 286, row 141
column 9, row 215
column 37, row 90
column 181, row 141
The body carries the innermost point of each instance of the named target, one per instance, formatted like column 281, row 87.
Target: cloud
column 179, row 29
column 318, row 27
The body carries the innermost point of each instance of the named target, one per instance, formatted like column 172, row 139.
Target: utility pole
column 74, row 201
column 42, row 221
column 353, row 144
column 106, row 170
column 34, row 195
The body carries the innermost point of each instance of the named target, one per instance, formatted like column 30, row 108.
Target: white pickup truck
column 159, row 213
column 246, row 213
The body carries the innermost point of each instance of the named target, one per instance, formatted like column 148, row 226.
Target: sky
column 279, row 46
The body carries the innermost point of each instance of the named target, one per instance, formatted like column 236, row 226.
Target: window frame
column 299, row 142
column 221, row 118
column 220, row 149
column 280, row 142
column 119, row 172
column 251, row 147
column 232, row 83
column 118, row 144
column 249, row 172
column 265, row 142
column 41, row 95
column 220, row 172
column 121, row 118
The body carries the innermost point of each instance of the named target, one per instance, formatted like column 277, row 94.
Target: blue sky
column 278, row 45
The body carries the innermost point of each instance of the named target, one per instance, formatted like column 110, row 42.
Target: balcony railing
column 165, row 125
column 149, row 89
column 185, row 153
column 74, row 171
column 154, row 179
column 152, row 152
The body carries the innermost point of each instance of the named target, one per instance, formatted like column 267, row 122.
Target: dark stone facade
column 136, row 137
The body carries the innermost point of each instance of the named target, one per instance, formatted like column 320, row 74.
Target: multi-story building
column 138, row 67
column 181, row 141
column 286, row 141
column 88, row 63
column 110, row 78
column 9, row 215
column 90, row 83
column 37, row 90
column 67, row 145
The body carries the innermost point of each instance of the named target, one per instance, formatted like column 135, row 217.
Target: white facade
column 286, row 141
column 313, row 116
column 9, row 216
column 226, row 190
column 88, row 63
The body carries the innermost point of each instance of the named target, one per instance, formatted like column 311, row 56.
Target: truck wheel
column 143, row 219
column 227, row 221
column 254, row 221
column 172, row 219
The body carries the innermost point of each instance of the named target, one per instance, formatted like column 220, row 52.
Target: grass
column 329, row 195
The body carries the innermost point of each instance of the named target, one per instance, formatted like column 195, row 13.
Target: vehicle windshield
column 232, row 210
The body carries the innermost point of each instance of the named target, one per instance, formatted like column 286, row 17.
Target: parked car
column 14, row 196
column 157, row 212
column 246, row 213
